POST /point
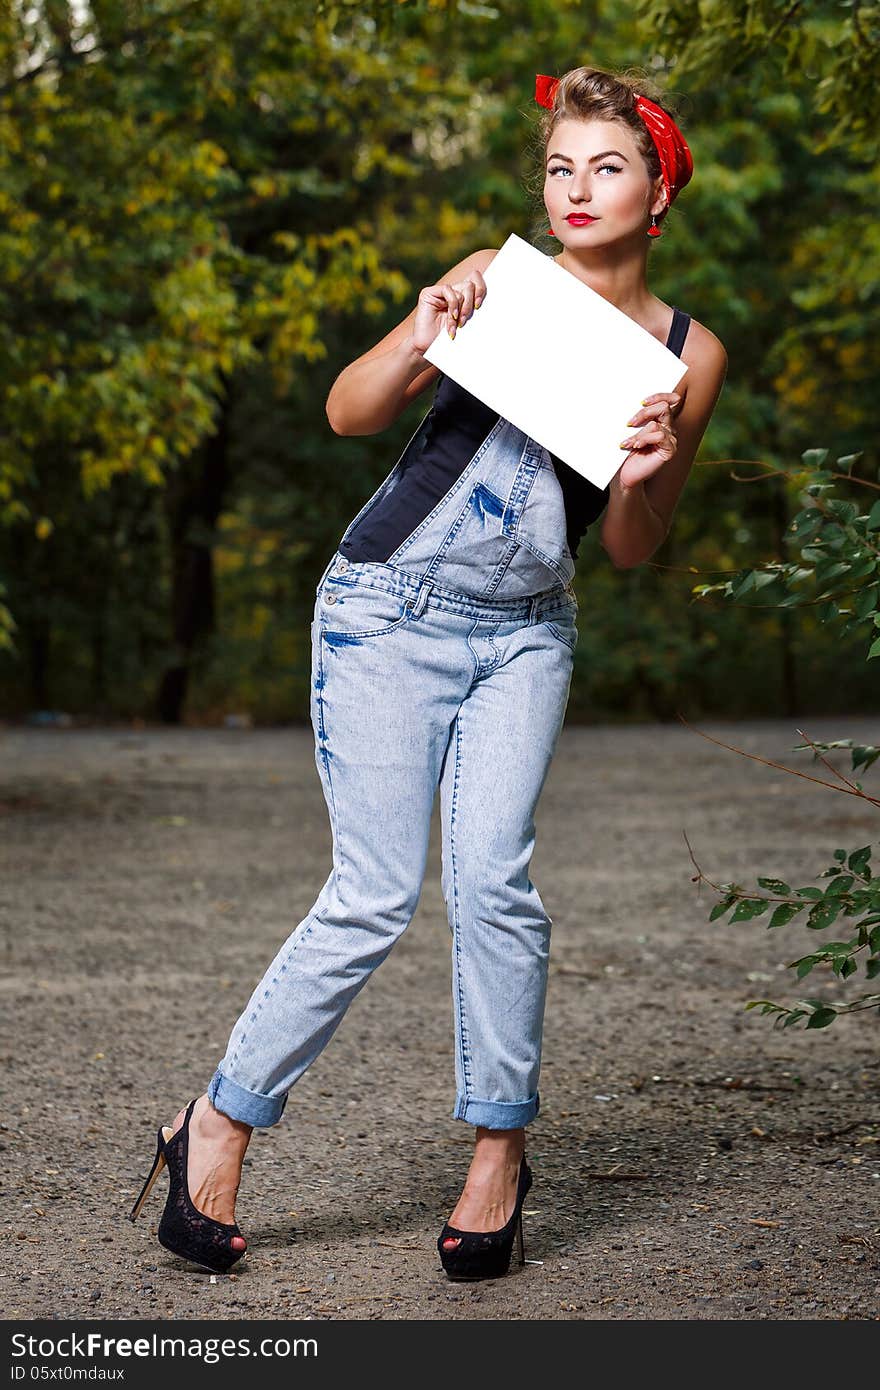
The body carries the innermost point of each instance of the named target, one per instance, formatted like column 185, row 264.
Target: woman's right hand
column 446, row 306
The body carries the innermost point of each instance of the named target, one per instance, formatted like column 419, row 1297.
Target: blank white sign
column 557, row 360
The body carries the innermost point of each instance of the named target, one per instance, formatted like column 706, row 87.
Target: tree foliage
column 207, row 208
column 836, row 570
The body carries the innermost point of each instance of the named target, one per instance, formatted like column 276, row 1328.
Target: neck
column 618, row 273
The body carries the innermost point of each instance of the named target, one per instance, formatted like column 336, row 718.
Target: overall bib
column 447, row 665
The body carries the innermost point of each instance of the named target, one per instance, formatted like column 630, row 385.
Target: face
column 594, row 169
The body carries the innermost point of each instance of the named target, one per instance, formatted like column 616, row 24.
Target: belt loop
column 426, row 587
column 533, row 610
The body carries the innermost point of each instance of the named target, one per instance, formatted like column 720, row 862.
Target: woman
column 442, row 644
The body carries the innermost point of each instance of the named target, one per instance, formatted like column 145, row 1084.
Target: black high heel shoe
column 486, row 1254
column 183, row 1229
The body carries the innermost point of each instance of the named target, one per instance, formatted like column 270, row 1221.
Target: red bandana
column 676, row 161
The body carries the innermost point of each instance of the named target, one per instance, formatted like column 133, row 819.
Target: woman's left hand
column 652, row 445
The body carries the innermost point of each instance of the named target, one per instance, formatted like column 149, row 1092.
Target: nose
column 578, row 189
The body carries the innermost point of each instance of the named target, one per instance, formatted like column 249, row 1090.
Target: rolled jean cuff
column 249, row 1107
column 496, row 1114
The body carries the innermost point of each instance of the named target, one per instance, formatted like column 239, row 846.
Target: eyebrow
column 593, row 157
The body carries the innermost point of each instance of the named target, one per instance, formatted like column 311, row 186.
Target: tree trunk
column 39, row 645
column 194, row 500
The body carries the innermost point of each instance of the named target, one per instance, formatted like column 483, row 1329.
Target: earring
column 550, row 232
column 654, row 230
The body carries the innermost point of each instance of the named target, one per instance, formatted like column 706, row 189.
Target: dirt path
column 681, row 1165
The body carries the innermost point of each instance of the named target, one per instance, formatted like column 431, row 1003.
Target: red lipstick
column 580, row 219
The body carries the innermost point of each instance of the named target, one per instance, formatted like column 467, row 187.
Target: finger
column 467, row 301
column 650, row 433
column 453, row 304
column 654, row 410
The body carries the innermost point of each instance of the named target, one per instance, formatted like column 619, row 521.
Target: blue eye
column 564, row 169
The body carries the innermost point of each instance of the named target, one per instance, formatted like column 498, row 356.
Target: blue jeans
column 415, row 685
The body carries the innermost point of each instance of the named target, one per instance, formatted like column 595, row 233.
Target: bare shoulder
column 703, row 350
column 476, row 261
column 705, row 357
column 484, row 257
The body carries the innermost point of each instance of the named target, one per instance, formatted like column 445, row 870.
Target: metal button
column 330, row 598
column 342, row 566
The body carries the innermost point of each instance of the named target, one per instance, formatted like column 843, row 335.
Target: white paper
column 557, row 360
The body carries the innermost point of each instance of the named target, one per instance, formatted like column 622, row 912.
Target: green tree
column 208, row 208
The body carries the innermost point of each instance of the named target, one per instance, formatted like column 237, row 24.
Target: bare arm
column 638, row 519
column 373, row 390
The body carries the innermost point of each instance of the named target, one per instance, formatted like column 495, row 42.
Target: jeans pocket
column 355, row 612
column 563, row 625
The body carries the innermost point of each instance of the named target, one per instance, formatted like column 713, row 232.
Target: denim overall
column 448, row 665
column 500, row 530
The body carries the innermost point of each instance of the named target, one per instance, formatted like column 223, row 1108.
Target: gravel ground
column 690, row 1162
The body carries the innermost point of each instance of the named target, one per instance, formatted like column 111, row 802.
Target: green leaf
column 874, row 517
column 872, row 967
column 822, row 915
column 806, row 519
column 774, row 885
column 858, row 861
column 721, row 907
column 742, row 584
column 839, row 885
column 846, row 512
column 866, row 755
column 784, row 913
column 749, row 908
column 805, row 965
column 809, row 892
column 821, row 1018
column 861, row 565
column 848, row 968
column 826, row 572
column 793, row 1017
column 806, row 525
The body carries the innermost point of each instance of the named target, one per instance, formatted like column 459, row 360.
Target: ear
column 659, row 193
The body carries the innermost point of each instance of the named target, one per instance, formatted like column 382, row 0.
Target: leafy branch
column 839, row 554
column 839, row 899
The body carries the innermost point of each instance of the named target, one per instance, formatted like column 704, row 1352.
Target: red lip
column 580, row 217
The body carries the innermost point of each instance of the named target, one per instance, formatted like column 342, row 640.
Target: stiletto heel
column 158, row 1165
column 486, row 1254
column 183, row 1229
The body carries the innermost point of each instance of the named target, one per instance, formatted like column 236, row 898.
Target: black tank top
column 456, row 426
